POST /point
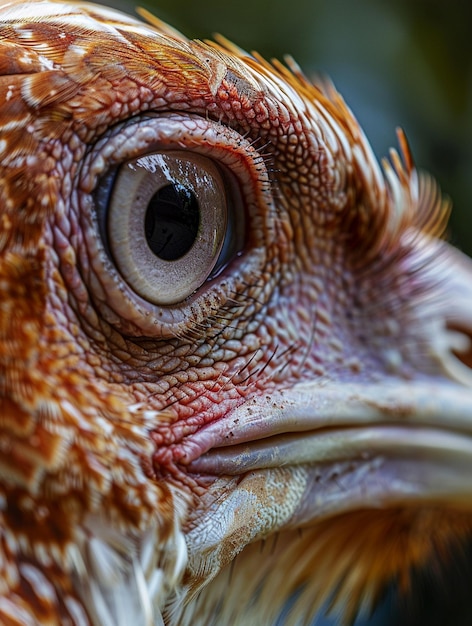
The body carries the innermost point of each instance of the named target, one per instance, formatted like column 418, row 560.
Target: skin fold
column 234, row 350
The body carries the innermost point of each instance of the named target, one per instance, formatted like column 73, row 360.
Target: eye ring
column 245, row 175
column 166, row 247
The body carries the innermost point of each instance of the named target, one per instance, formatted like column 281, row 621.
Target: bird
column 235, row 349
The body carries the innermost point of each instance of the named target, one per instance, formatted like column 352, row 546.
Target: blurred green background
column 403, row 63
column 406, row 63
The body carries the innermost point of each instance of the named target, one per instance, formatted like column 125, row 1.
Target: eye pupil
column 171, row 222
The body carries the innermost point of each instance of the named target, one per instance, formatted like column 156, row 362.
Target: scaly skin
column 135, row 454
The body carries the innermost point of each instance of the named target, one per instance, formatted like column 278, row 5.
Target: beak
column 392, row 443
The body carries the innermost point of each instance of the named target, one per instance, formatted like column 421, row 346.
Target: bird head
column 234, row 350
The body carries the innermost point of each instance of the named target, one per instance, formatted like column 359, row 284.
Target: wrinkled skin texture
column 299, row 420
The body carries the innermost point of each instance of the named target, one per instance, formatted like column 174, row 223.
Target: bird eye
column 177, row 215
column 169, row 219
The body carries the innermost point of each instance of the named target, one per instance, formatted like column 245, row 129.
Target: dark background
column 407, row 64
